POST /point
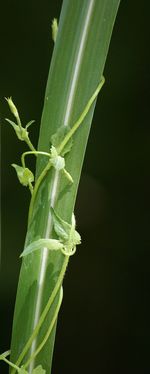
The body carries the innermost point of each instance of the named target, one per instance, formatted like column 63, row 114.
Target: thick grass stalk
column 76, row 69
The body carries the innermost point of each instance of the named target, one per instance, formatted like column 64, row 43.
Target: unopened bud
column 54, row 29
column 12, row 107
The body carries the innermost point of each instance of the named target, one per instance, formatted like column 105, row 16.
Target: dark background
column 104, row 324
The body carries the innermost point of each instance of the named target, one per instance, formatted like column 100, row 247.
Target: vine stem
column 11, row 364
column 62, row 145
column 18, row 120
column 48, row 331
column 30, row 145
column 44, row 313
column 81, row 118
column 36, row 187
column 36, row 153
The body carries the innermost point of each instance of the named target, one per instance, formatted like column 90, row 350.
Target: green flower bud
column 12, row 107
column 54, row 29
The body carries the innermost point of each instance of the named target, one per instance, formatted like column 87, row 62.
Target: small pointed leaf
column 52, row 244
column 66, row 232
column 61, row 227
column 12, row 123
column 29, row 123
column 24, row 175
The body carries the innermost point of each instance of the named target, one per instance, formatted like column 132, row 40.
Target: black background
column 104, row 324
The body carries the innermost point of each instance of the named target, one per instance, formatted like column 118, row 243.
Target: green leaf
column 12, row 123
column 61, row 227
column 74, row 238
column 24, row 175
column 65, row 231
column 78, row 60
column 38, row 370
column 58, row 137
column 52, row 244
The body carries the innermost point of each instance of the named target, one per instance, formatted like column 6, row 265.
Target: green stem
column 36, row 153
column 27, row 140
column 48, row 331
column 18, row 120
column 30, row 188
column 11, row 364
column 44, row 313
column 30, row 145
column 36, row 188
column 81, row 118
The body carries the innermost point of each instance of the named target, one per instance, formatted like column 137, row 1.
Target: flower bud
column 54, row 29
column 12, row 107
